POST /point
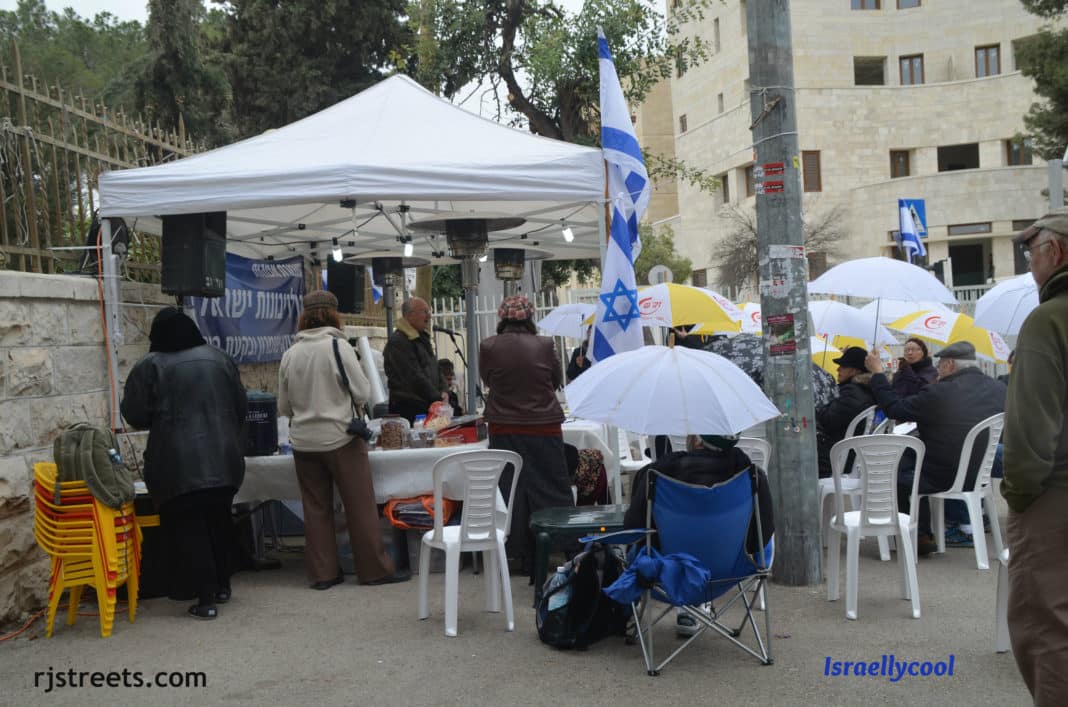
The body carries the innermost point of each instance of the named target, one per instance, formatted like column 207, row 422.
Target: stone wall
column 54, row 372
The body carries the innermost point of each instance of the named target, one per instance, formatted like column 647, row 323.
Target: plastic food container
column 394, row 432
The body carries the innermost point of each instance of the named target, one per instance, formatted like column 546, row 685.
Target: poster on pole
column 256, row 320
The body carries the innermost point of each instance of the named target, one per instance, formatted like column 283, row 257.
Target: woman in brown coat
column 523, row 372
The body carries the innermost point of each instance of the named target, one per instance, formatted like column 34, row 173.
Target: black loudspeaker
column 194, row 254
column 347, row 282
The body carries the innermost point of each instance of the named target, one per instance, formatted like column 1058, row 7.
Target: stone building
column 895, row 99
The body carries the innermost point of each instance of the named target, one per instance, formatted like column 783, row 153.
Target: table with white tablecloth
column 399, row 473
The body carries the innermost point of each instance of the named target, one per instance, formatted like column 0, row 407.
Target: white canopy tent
column 402, row 154
column 361, row 171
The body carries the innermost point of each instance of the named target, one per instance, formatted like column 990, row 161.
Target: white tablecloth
column 400, row 473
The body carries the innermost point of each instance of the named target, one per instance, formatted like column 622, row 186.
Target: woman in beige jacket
column 311, row 393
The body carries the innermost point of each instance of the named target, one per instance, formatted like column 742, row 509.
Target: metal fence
column 53, row 146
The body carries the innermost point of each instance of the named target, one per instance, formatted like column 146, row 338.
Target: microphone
column 443, row 330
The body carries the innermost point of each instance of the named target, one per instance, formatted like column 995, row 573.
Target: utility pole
column 783, row 293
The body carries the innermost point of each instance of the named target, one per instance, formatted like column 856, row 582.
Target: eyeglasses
column 1029, row 253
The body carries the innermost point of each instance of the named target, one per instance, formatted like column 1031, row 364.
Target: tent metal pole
column 472, row 346
column 112, row 319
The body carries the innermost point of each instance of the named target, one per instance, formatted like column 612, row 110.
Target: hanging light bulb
column 569, row 235
column 408, row 248
column 336, row 251
column 483, row 258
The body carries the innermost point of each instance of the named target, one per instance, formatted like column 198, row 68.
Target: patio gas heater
column 467, row 238
column 508, row 265
column 388, row 273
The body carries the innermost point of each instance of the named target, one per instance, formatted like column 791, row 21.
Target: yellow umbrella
column 943, row 328
column 823, row 354
column 669, row 304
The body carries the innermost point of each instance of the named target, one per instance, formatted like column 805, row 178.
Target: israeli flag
column 910, row 236
column 617, row 327
column 376, row 291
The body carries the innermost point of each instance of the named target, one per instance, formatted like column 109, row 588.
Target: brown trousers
column 348, row 468
column 1038, row 599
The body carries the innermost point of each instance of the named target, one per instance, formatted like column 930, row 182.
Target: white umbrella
column 669, row 390
column 881, row 278
column 1006, row 305
column 831, row 319
column 567, row 319
column 892, row 310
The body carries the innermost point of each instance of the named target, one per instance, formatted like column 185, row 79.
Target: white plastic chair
column 858, row 426
column 882, row 428
column 479, row 471
column 877, row 458
column 758, row 451
column 1001, row 609
column 982, row 491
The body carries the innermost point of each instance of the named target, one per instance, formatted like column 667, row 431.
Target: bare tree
column 736, row 258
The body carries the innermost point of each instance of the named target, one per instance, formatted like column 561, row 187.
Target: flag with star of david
column 617, row 326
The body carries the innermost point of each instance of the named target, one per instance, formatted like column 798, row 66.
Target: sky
column 123, row 9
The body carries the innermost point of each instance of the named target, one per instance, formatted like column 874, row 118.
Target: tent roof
column 402, row 154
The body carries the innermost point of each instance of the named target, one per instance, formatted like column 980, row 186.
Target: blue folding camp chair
column 711, row 524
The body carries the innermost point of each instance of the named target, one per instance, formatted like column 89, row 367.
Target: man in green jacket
column 1036, row 470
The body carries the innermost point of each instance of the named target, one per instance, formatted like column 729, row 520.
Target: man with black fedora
column 854, row 396
column 944, row 413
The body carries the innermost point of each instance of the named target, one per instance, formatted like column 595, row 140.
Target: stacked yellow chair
column 89, row 543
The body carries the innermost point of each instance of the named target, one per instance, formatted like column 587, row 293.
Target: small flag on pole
column 617, row 326
column 910, row 236
column 376, row 290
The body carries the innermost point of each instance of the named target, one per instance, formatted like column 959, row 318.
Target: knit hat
column 516, row 308
column 320, row 299
column 719, row 443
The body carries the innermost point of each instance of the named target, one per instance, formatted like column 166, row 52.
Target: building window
column 911, row 69
column 715, row 35
column 810, row 168
column 682, row 123
column 699, row 277
column 987, row 61
column 750, row 181
column 1018, row 152
column 863, row 4
column 1019, row 260
column 899, row 164
column 968, row 229
column 725, row 189
column 954, row 157
column 906, row 4
column 719, row 102
column 869, row 70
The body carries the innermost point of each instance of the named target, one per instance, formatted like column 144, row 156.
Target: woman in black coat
column 915, row 370
column 189, row 396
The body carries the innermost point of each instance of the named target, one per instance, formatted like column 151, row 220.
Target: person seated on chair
column 944, row 413
column 588, row 475
column 707, row 461
column 854, row 396
column 580, row 362
column 447, row 371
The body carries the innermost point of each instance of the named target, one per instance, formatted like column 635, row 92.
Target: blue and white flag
column 376, row 290
column 617, row 326
column 910, row 235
